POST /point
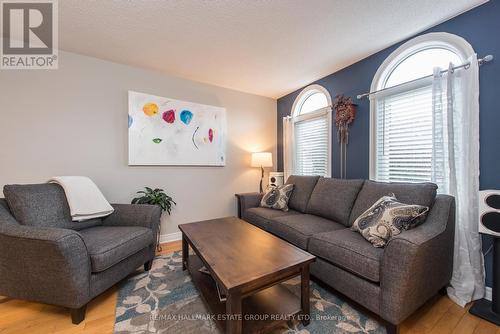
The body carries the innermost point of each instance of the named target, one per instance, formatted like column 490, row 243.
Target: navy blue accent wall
column 481, row 28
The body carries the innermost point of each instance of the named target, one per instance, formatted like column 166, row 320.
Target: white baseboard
column 176, row 236
column 487, row 295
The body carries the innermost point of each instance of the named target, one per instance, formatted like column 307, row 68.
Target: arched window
column 402, row 137
column 309, row 134
column 311, row 99
column 420, row 64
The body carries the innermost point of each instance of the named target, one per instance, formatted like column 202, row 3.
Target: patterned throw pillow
column 387, row 218
column 277, row 197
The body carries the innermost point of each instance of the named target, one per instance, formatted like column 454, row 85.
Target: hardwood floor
column 439, row 316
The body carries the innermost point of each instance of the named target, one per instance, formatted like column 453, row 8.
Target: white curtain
column 456, row 171
column 288, row 142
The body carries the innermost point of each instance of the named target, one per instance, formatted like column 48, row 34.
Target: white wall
column 73, row 121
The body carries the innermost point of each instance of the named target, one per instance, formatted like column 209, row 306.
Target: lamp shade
column 262, row 159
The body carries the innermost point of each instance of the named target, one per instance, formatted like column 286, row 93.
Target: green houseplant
column 155, row 197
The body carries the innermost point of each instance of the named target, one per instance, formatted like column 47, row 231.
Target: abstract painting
column 163, row 131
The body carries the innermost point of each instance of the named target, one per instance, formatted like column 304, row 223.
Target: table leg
column 185, row 252
column 304, row 295
column 234, row 322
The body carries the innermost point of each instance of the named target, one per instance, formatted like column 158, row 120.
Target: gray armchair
column 45, row 257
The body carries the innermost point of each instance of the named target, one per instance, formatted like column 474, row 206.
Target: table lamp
column 262, row 159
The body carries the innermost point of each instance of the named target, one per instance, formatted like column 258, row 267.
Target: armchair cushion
column 42, row 205
column 108, row 245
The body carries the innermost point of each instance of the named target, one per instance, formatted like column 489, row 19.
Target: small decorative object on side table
column 155, row 197
column 262, row 159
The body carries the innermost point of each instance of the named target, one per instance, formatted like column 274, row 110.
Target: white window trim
column 299, row 100
column 305, row 93
column 431, row 40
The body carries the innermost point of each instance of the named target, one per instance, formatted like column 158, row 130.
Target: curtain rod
column 466, row 65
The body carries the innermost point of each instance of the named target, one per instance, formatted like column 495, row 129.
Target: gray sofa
column 392, row 281
column 45, row 257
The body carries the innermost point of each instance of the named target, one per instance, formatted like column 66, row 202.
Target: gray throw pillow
column 277, row 197
column 388, row 218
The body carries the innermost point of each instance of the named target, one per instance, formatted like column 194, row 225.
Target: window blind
column 312, row 146
column 404, row 136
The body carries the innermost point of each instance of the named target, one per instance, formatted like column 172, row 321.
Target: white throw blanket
column 85, row 200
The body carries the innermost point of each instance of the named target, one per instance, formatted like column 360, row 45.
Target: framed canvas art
column 164, row 131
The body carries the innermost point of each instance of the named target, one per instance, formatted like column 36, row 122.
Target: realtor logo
column 29, row 34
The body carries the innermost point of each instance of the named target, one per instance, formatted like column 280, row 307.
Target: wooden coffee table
column 247, row 264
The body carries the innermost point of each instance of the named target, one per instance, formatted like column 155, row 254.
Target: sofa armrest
column 49, row 265
column 247, row 201
column 417, row 263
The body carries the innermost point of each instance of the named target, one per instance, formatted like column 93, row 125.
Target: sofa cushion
column 42, row 205
column 108, row 245
column 334, row 198
column 408, row 193
column 261, row 216
column 297, row 229
column 303, row 187
column 348, row 250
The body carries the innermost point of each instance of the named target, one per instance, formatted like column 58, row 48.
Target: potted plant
column 155, row 197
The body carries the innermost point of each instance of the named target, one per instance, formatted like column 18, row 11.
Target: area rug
column 164, row 300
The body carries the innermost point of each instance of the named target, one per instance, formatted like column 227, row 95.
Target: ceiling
column 264, row 47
